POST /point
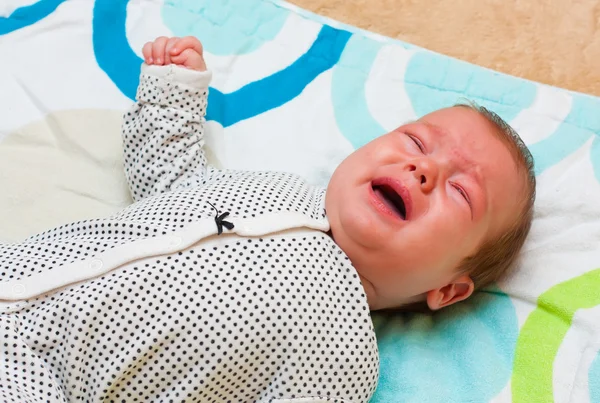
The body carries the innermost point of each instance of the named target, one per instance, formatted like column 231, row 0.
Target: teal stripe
column 434, row 81
column 594, row 380
column 578, row 127
column 434, row 358
column 348, row 91
column 232, row 27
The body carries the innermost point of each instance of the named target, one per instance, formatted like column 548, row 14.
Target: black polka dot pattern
column 229, row 319
column 163, row 137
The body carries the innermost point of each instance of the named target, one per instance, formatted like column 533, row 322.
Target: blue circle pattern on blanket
column 122, row 65
column 348, row 91
column 111, row 47
column 28, row 15
column 594, row 380
column 433, row 81
column 239, row 27
column 467, row 350
column 281, row 87
column 228, row 27
column 581, row 125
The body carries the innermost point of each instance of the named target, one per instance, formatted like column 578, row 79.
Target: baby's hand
column 186, row 52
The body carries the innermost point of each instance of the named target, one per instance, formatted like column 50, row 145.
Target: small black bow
column 220, row 220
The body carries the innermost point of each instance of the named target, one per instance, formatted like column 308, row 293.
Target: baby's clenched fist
column 186, row 52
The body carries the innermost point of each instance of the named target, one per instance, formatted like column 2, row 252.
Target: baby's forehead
column 467, row 113
column 469, row 136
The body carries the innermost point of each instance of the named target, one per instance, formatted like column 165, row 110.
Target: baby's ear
column 459, row 289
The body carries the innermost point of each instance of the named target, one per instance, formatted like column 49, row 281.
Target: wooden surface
column 551, row 41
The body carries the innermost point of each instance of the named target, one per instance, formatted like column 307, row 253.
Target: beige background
column 551, row 41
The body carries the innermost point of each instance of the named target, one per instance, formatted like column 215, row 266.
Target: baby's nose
column 426, row 171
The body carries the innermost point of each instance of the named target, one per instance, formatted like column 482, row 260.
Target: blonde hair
column 496, row 257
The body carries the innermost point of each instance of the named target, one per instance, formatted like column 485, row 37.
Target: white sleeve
column 163, row 132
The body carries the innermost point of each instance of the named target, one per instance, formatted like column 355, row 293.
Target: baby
column 228, row 286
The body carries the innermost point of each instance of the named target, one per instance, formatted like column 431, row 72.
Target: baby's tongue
column 385, row 200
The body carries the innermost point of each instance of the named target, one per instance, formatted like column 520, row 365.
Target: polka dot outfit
column 153, row 305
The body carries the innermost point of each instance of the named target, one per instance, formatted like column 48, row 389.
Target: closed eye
column 418, row 143
column 463, row 193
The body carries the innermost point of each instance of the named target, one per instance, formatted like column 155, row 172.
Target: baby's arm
column 163, row 132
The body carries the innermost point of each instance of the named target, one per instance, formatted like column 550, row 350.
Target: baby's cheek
column 434, row 238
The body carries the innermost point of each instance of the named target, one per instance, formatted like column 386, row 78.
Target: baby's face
column 409, row 206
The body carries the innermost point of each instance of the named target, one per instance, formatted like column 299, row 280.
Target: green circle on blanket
column 537, row 346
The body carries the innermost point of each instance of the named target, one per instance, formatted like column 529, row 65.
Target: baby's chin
column 354, row 233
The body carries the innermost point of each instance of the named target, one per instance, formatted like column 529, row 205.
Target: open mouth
column 392, row 199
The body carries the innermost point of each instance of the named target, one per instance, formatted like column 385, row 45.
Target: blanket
column 303, row 92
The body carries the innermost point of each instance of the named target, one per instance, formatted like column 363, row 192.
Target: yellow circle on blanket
column 64, row 168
